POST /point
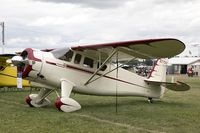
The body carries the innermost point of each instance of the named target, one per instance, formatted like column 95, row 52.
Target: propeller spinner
column 17, row 60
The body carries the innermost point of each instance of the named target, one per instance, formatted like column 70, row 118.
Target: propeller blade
column 19, row 77
column 19, row 62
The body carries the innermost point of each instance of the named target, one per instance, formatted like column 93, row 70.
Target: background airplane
column 8, row 73
column 94, row 70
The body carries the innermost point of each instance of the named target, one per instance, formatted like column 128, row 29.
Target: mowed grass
column 176, row 112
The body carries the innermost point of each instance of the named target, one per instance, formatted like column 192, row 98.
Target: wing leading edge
column 151, row 48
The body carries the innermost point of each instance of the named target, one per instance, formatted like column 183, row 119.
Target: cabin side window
column 68, row 56
column 88, row 62
column 103, row 68
column 77, row 59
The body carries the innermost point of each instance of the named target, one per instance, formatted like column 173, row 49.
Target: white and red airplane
column 89, row 69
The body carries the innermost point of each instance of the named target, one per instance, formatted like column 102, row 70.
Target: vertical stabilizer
column 158, row 73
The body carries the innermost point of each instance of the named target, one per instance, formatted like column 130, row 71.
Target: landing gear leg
column 38, row 100
column 150, row 100
column 64, row 103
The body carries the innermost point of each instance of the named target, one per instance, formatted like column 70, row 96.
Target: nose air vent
column 41, row 76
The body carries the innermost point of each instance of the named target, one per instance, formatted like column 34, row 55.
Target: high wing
column 151, row 48
column 144, row 49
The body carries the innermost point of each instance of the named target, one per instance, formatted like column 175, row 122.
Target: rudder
column 158, row 73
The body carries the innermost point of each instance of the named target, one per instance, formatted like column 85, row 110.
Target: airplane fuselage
column 48, row 71
column 94, row 70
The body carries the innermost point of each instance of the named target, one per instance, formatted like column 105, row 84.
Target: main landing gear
column 39, row 100
column 63, row 103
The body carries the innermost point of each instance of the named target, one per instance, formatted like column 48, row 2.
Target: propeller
column 19, row 77
column 19, row 62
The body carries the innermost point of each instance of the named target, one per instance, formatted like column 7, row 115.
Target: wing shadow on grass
column 133, row 104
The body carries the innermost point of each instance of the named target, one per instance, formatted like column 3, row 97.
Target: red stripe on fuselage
column 91, row 72
column 52, row 63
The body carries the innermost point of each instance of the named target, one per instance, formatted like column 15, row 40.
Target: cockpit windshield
column 58, row 53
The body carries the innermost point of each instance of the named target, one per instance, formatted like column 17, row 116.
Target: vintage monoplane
column 94, row 70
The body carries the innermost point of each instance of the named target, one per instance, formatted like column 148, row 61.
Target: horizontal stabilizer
column 177, row 86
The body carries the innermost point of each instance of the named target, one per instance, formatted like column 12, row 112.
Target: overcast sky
column 61, row 23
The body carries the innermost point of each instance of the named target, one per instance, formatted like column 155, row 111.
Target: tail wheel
column 150, row 100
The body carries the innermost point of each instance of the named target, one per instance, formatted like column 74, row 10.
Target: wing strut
column 110, row 56
column 119, row 66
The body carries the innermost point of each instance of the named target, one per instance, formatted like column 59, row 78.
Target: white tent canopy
column 184, row 61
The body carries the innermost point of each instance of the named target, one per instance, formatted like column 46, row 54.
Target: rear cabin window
column 68, row 56
column 88, row 62
column 77, row 59
column 103, row 68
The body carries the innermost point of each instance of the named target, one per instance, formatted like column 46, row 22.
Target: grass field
column 177, row 112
